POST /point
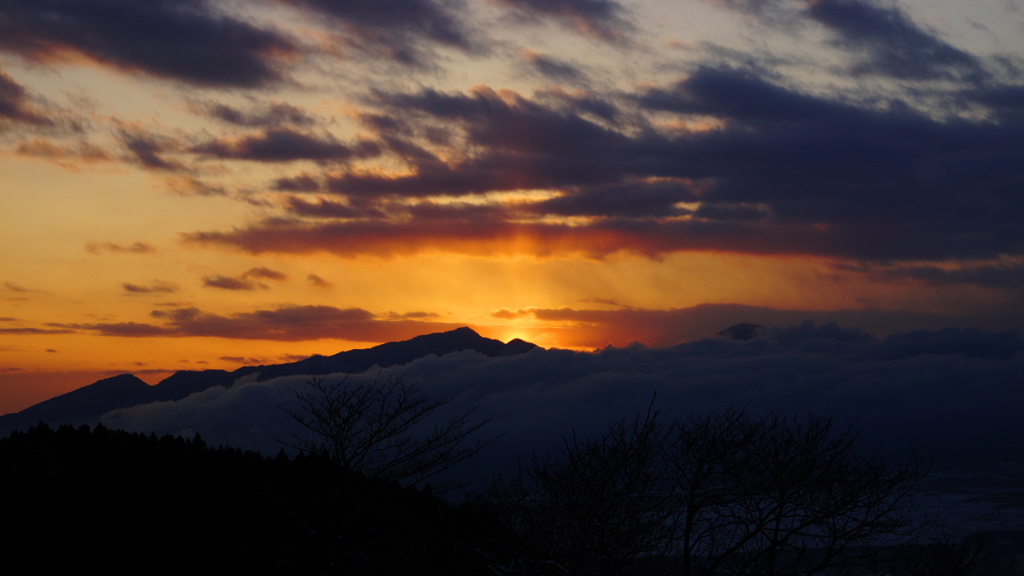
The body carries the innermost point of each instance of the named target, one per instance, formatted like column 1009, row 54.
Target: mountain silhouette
column 743, row 332
column 85, row 405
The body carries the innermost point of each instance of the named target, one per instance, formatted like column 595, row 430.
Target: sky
column 195, row 184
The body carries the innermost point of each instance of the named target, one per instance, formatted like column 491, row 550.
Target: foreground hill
column 120, row 503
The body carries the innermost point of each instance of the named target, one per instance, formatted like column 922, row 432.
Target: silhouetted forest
column 80, row 499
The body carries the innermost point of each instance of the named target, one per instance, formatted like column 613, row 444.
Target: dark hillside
column 81, row 499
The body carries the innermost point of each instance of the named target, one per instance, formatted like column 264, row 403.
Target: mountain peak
column 85, row 405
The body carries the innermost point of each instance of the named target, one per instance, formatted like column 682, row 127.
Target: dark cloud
column 190, row 186
column 36, row 331
column 147, row 150
column 606, row 20
column 626, row 199
column 287, row 323
column 300, row 183
column 454, row 234
column 580, row 102
column 525, row 145
column 767, row 170
column 287, row 145
column 352, row 208
column 15, row 287
column 1006, row 101
column 554, row 69
column 596, row 328
column 401, row 30
column 291, row 324
column 267, row 273
column 155, row 287
column 880, row 38
column 248, row 280
column 185, row 40
column 231, row 283
column 989, row 275
column 15, row 104
column 114, row 248
column 885, row 41
column 123, row 329
column 243, row 360
column 270, row 115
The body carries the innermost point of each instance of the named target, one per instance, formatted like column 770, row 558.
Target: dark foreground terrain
column 81, row 499
column 78, row 500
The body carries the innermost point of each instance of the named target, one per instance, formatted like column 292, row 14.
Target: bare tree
column 599, row 508
column 728, row 493
column 784, row 495
column 384, row 428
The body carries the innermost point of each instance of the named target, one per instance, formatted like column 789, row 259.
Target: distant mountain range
column 85, row 405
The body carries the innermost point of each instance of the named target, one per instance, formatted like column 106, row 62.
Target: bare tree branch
column 381, row 428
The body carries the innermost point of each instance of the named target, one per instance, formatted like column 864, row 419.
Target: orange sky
column 224, row 185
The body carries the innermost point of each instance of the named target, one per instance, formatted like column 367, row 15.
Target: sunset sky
column 192, row 184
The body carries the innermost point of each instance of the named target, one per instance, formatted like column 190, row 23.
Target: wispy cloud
column 269, row 115
column 248, row 280
column 405, row 31
column 154, row 287
column 319, row 282
column 287, row 145
column 114, row 248
column 15, row 104
column 606, row 20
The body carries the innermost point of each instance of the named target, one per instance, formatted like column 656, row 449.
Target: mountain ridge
column 86, row 404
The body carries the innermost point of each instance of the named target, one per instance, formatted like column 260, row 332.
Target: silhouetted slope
column 82, row 406
column 113, row 502
column 185, row 382
column 86, row 405
column 392, row 354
